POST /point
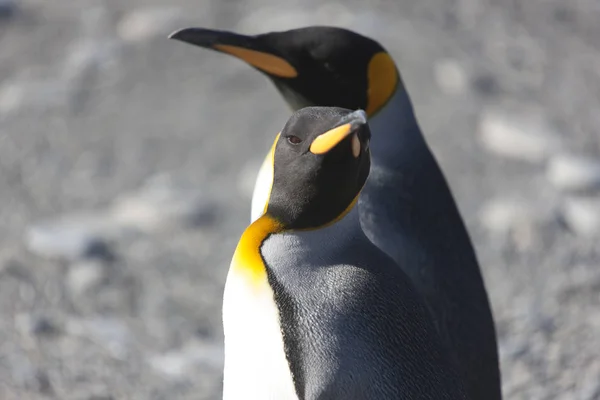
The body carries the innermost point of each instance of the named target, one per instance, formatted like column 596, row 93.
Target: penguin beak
column 247, row 48
column 350, row 124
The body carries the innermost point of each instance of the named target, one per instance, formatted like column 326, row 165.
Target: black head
column 320, row 164
column 312, row 66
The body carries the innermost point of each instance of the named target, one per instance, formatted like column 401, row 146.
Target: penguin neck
column 334, row 234
column 397, row 138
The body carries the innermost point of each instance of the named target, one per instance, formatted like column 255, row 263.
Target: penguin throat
column 332, row 234
column 305, row 223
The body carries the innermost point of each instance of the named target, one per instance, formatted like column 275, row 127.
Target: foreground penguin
column 312, row 309
column 406, row 207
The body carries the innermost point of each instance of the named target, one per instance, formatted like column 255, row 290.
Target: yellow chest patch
column 247, row 261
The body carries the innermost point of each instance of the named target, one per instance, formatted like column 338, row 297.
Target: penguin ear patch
column 268, row 63
column 383, row 79
column 328, row 140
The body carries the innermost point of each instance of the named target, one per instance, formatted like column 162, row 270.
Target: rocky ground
column 127, row 163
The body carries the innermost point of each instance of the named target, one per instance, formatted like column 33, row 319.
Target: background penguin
column 406, row 207
column 312, row 309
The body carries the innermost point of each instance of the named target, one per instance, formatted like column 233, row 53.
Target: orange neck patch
column 247, row 260
column 383, row 78
column 266, row 62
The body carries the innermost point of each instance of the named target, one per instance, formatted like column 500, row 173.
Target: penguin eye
column 294, row 139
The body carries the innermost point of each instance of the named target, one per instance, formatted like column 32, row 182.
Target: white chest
column 262, row 188
column 255, row 362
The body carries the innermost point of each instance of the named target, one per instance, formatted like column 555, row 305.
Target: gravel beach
column 127, row 163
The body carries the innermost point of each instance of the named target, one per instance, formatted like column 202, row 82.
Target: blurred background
column 127, row 163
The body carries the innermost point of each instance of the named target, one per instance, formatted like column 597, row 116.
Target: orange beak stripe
column 328, row 140
column 266, row 62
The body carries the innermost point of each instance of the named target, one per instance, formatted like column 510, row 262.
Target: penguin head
column 321, row 161
column 312, row 66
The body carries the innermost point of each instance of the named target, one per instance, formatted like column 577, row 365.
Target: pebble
column 36, row 325
column 519, row 377
column 573, row 173
column 26, row 375
column 8, row 8
column 87, row 55
column 110, row 333
column 450, row 76
column 517, row 222
column 501, row 215
column 582, row 215
column 513, row 349
column 72, row 237
column 275, row 18
column 520, row 137
column 178, row 363
column 146, row 23
column 162, row 203
column 486, row 85
column 36, row 93
column 590, row 385
column 42, row 383
column 85, row 275
column 14, row 268
column 159, row 203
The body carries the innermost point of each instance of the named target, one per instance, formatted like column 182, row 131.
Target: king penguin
column 312, row 309
column 406, row 208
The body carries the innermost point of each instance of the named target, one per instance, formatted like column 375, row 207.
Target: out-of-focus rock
column 572, row 173
column 590, row 386
column 276, row 18
column 87, row 55
column 110, row 333
column 146, row 23
column 37, row 325
column 12, row 266
column 485, row 84
column 8, row 9
column 23, row 93
column 31, row 378
column 160, row 203
column 582, row 215
column 501, row 215
column 523, row 136
column 513, row 348
column 72, row 237
column 177, row 364
column 520, row 377
column 516, row 219
column 450, row 76
column 85, row 275
column 100, row 397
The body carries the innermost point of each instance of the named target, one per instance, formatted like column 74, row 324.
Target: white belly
column 255, row 364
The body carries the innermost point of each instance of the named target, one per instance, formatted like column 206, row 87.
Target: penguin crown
column 316, row 65
column 320, row 163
